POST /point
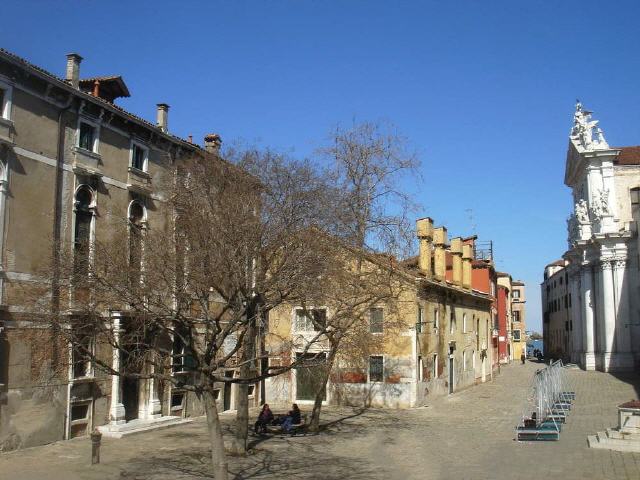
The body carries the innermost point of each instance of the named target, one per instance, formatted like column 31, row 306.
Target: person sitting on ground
column 292, row 418
column 264, row 419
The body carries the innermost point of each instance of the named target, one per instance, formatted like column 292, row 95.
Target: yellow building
column 431, row 337
column 518, row 317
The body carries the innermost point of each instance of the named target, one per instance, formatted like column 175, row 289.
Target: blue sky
column 484, row 90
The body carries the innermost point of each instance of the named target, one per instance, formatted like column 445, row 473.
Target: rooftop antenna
column 471, row 220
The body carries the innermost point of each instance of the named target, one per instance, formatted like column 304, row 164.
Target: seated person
column 292, row 418
column 264, row 419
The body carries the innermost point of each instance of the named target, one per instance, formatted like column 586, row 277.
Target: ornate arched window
column 137, row 222
column 84, row 209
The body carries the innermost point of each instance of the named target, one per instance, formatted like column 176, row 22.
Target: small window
column 87, row 136
column 420, row 371
column 177, row 400
column 376, row 368
column 516, row 335
column 452, row 321
column 516, row 294
column 139, row 157
column 516, row 316
column 376, row 320
column 436, row 319
column 5, row 101
column 464, row 322
column 250, row 390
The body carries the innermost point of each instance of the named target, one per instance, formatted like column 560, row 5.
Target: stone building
column 73, row 163
column 557, row 326
column 435, row 335
column 602, row 258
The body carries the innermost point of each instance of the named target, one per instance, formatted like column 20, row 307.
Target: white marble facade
column 603, row 251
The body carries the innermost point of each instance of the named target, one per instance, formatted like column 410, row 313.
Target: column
column 116, row 410
column 586, row 291
column 608, row 313
column 154, row 410
column 624, row 357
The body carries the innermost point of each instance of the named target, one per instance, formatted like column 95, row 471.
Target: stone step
column 592, row 441
column 141, row 425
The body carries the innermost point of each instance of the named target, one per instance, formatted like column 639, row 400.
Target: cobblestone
column 469, row 435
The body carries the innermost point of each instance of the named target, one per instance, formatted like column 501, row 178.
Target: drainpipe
column 57, row 221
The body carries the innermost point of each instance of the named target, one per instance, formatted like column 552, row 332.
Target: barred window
column 376, row 368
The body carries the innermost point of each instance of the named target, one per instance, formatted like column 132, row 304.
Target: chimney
column 467, row 258
column 456, row 253
column 424, row 228
column 439, row 255
column 162, row 119
column 73, row 69
column 212, row 143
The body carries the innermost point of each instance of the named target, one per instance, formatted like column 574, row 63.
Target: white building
column 603, row 249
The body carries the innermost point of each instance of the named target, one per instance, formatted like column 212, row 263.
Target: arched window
column 82, row 233
column 137, row 220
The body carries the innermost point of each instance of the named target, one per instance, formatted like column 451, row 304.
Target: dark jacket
column 265, row 416
column 295, row 416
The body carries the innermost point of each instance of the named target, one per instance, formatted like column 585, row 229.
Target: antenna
column 472, row 223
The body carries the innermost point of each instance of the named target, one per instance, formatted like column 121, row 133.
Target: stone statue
column 582, row 211
column 583, row 130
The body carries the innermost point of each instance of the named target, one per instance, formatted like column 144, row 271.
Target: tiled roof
column 628, row 156
column 63, row 84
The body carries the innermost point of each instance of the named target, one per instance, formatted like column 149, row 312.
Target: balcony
column 86, row 160
column 139, row 181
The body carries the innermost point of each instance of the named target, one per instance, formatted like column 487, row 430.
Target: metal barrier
column 548, row 404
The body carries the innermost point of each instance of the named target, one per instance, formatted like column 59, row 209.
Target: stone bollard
column 96, row 437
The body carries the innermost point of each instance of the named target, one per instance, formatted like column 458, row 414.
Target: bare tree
column 180, row 300
column 368, row 162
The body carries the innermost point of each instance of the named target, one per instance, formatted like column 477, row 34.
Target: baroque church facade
column 602, row 265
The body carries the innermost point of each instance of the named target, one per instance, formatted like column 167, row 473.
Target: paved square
column 466, row 436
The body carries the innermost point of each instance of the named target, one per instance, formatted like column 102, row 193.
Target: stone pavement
column 469, row 435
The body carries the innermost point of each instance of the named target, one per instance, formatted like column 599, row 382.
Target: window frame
column 519, row 336
column 436, row 318
column 381, row 323
column 435, row 366
column 96, row 135
column 145, row 161
column 89, row 209
column 7, row 101
column 371, row 357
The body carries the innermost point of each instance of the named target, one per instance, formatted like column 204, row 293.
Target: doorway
column 451, row 375
column 309, row 379
column 130, row 397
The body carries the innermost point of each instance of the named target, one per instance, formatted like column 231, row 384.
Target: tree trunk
column 314, row 425
column 218, row 457
column 242, row 402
